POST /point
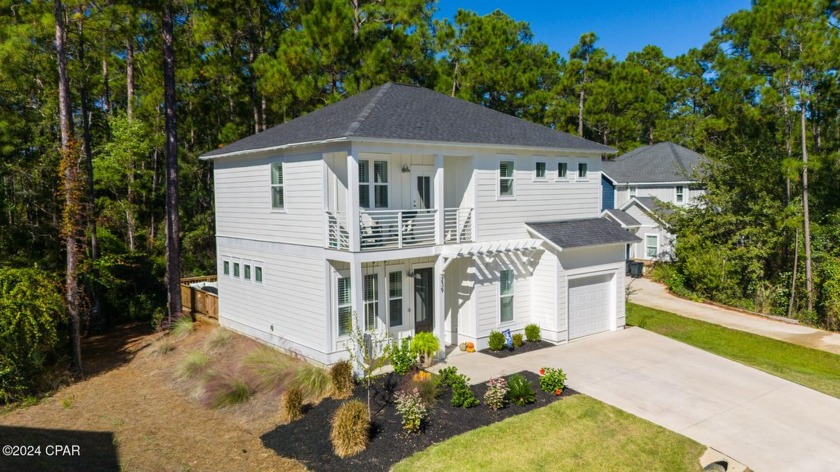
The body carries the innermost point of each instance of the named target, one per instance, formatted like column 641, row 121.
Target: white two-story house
column 634, row 186
column 404, row 210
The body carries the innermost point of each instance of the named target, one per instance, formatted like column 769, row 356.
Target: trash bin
column 636, row 269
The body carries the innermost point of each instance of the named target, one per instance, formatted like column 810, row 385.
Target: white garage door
column 589, row 305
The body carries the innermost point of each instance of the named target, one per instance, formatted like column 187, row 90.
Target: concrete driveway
column 760, row 420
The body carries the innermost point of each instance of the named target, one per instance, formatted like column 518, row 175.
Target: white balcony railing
column 457, row 225
column 396, row 229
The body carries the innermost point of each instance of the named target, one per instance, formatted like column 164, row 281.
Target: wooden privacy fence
column 198, row 300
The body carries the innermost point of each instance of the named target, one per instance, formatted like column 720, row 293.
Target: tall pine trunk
column 173, row 225
column 809, row 275
column 129, row 78
column 70, row 173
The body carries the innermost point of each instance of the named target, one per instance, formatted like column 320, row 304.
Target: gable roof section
column 662, row 162
column 569, row 234
column 650, row 205
column 409, row 113
column 621, row 217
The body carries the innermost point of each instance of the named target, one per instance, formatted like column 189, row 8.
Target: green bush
column 425, row 344
column 341, row 376
column 401, row 355
column 448, row 375
column 31, row 308
column 518, row 340
column 350, row 429
column 291, row 404
column 312, row 380
column 532, row 333
column 520, row 390
column 496, row 341
column 496, row 395
column 412, row 409
column 462, row 394
column 552, row 380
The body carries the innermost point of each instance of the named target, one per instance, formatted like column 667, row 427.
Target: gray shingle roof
column 623, row 217
column 662, row 162
column 581, row 233
column 411, row 113
column 655, row 205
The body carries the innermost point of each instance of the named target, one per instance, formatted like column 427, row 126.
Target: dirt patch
column 154, row 423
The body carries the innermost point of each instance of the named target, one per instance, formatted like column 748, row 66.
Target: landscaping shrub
column 401, row 356
column 496, row 341
column 552, row 380
column 182, row 327
column 341, row 377
column 272, row 368
column 425, row 344
column 163, row 345
column 312, row 380
column 427, row 385
column 31, row 308
column 193, row 365
column 291, row 404
column 218, row 340
column 532, row 333
column 412, row 409
column 520, row 390
column 518, row 340
column 462, row 395
column 350, row 429
column 496, row 395
column 447, row 375
column 226, row 389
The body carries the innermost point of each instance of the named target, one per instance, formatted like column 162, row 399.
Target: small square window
column 247, row 272
column 236, row 269
column 562, row 170
column 582, row 170
column 257, row 274
column 540, row 170
column 226, row 266
column 680, row 192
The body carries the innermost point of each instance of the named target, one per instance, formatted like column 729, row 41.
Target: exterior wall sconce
column 406, row 169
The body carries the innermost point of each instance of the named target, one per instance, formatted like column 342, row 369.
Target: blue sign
column 508, row 338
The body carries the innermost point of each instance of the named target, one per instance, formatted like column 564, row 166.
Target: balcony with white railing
column 400, row 229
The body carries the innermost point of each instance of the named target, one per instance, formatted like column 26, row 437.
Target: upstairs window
column 506, row 178
column 680, row 193
column 364, row 184
column 539, row 171
column 278, row 200
column 345, row 310
column 258, row 274
column 247, row 272
column 226, row 266
column 380, row 184
column 582, row 170
column 506, row 295
column 562, row 170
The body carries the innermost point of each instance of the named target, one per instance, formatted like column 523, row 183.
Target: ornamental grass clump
column 341, row 377
column 291, row 404
column 193, row 365
column 496, row 396
column 427, row 385
column 350, row 431
column 412, row 409
column 312, row 380
column 271, row 368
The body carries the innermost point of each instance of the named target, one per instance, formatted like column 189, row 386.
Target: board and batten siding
column 550, row 199
column 291, row 296
column 243, row 199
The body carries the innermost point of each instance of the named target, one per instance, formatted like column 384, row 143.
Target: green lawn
column 575, row 433
column 812, row 368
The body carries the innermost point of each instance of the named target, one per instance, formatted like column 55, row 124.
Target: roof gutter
column 274, row 148
column 451, row 144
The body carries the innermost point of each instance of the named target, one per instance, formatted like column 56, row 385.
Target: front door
column 424, row 300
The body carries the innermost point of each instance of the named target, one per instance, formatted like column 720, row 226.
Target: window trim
column 387, row 184
column 679, row 194
column 246, row 271
column 236, row 265
column 281, row 186
column 370, row 186
column 226, row 267
column 258, row 273
column 632, row 191
column 389, row 298
column 558, row 177
column 339, row 275
column 512, row 161
column 375, row 301
column 654, row 235
column 585, row 176
column 511, row 295
column 536, row 177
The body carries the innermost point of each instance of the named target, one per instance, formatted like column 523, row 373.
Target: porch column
column 439, row 199
column 440, row 306
column 353, row 202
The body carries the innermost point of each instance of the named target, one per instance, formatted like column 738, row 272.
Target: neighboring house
column 413, row 211
column 634, row 186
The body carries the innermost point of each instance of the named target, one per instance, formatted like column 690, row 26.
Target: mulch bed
column 527, row 347
column 308, row 439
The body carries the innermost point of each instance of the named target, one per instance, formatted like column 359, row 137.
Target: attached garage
column 590, row 305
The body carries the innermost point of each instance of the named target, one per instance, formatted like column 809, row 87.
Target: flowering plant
column 412, row 409
column 552, row 380
column 497, row 393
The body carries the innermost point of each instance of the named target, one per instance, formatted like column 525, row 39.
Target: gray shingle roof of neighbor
column 651, row 203
column 411, row 113
column 623, row 217
column 582, row 232
column 662, row 162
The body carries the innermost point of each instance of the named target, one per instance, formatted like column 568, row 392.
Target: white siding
column 291, row 296
column 459, row 292
column 486, row 293
column 544, row 295
column 665, row 192
column 591, row 261
column 243, row 199
column 649, row 225
column 544, row 200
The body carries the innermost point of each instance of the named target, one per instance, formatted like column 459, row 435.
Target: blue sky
column 622, row 26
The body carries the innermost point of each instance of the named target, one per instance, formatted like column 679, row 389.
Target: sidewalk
column 655, row 295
